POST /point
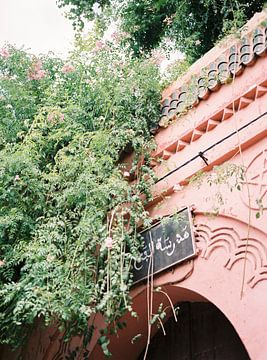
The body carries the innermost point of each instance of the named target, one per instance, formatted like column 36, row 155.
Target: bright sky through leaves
column 37, row 24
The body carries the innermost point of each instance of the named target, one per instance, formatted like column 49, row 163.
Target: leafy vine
column 69, row 214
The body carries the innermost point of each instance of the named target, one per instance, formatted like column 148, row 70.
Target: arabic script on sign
column 165, row 244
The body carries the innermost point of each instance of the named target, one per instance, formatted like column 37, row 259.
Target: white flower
column 96, row 9
column 177, row 187
column 109, row 242
column 86, row 310
column 126, row 174
column 50, row 258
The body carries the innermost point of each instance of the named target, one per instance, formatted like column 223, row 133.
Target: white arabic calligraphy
column 168, row 244
column 180, row 238
column 144, row 256
column 165, row 245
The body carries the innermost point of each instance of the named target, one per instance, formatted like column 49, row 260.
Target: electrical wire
column 202, row 153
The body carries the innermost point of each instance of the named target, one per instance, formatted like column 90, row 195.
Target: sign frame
column 179, row 261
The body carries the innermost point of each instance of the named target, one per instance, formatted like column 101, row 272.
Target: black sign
column 167, row 243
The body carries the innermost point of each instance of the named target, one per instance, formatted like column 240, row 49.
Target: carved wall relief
column 254, row 193
column 236, row 248
column 210, row 122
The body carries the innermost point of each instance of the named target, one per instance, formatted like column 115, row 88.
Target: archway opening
column 202, row 332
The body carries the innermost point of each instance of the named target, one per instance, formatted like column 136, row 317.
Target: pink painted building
column 215, row 116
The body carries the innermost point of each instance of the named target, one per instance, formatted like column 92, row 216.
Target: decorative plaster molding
column 212, row 121
column 236, row 249
column 254, row 190
column 229, row 64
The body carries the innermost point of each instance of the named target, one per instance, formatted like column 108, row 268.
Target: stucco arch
column 214, row 276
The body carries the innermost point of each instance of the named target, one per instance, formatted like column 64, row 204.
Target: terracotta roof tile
column 228, row 64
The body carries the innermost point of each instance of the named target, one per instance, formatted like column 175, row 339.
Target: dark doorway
column 201, row 333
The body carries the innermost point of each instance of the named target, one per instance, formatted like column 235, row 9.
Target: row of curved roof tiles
column 230, row 64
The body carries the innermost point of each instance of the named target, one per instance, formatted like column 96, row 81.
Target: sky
column 38, row 25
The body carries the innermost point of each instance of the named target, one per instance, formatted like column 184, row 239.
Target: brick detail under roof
column 211, row 121
column 231, row 63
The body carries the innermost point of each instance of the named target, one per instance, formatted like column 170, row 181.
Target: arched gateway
column 201, row 333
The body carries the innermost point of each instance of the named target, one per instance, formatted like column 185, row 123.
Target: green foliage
column 81, row 10
column 230, row 174
column 64, row 130
column 194, row 25
column 175, row 71
column 224, row 177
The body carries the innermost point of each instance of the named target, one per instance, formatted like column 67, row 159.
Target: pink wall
column 232, row 244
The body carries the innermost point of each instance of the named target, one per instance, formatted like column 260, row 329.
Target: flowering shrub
column 67, row 68
column 37, row 73
column 67, row 238
column 4, row 52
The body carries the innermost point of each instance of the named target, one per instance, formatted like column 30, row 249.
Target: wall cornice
column 229, row 63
